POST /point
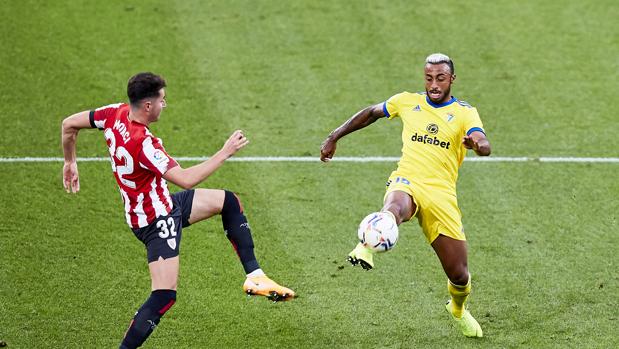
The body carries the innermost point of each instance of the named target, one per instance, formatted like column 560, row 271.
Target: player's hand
column 236, row 141
column 468, row 142
column 70, row 177
column 327, row 149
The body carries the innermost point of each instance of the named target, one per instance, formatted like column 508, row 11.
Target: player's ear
column 147, row 105
column 453, row 77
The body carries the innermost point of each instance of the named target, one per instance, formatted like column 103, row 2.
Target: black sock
column 147, row 318
column 238, row 232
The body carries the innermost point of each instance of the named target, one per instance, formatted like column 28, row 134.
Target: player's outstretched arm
column 70, row 128
column 478, row 142
column 187, row 178
column 358, row 121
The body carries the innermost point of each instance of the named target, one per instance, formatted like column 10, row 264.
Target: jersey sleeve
column 473, row 123
column 98, row 116
column 154, row 157
column 391, row 107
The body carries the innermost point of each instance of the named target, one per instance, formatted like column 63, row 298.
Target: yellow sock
column 459, row 294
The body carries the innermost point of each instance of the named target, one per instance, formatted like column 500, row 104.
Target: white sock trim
column 257, row 272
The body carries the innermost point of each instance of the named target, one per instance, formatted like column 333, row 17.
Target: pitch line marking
column 338, row 159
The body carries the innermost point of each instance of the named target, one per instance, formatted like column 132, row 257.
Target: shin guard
column 459, row 294
column 148, row 317
column 238, row 231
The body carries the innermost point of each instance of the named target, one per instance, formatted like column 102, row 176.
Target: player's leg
column 402, row 205
column 206, row 203
column 164, row 277
column 453, row 256
column 164, row 273
column 162, row 239
column 209, row 202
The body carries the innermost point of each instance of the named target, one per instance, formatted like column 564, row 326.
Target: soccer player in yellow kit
column 437, row 131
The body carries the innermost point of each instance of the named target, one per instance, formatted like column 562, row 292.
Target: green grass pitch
column 543, row 237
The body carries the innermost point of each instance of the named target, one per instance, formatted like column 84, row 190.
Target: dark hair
column 144, row 85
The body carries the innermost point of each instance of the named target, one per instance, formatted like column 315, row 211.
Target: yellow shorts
column 437, row 208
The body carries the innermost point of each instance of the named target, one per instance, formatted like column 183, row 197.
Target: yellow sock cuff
column 459, row 294
column 459, row 290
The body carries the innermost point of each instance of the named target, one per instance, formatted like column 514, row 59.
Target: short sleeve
column 154, row 157
column 473, row 123
column 391, row 107
column 98, row 116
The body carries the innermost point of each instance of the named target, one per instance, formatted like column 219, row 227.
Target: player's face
column 438, row 82
column 155, row 105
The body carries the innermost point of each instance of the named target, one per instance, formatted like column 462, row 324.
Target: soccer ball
column 378, row 231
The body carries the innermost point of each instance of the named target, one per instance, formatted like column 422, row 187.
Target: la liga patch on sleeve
column 160, row 158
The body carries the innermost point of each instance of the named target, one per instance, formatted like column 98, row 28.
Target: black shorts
column 162, row 237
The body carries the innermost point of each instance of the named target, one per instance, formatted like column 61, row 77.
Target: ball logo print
column 378, row 231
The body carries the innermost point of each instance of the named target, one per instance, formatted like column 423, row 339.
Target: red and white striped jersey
column 138, row 161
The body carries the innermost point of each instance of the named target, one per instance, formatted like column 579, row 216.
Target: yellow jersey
column 432, row 149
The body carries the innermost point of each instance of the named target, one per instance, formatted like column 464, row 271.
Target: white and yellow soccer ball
column 378, row 231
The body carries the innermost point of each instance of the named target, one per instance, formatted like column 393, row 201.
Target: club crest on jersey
column 432, row 129
column 417, row 108
column 449, row 117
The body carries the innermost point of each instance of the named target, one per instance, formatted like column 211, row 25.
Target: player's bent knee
column 232, row 203
column 165, row 282
column 401, row 205
column 399, row 211
column 164, row 273
column 459, row 276
column 166, row 298
column 206, row 203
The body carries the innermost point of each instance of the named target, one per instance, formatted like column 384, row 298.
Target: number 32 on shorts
column 167, row 230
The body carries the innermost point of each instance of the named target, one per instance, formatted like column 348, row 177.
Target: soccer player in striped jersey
column 141, row 167
column 437, row 131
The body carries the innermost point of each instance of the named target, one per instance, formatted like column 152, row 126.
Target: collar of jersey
column 444, row 104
